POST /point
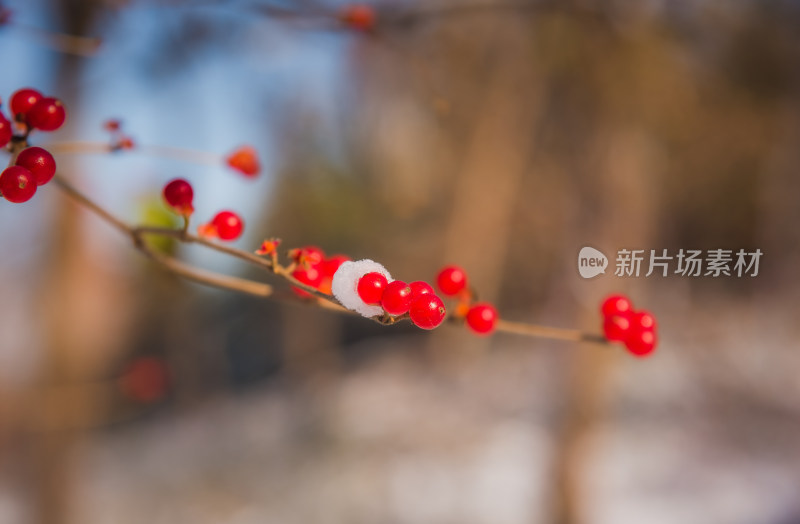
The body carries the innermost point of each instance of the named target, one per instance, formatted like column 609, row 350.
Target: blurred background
column 499, row 135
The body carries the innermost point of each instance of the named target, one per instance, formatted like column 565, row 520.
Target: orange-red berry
column 23, row 100
column 370, row 288
column 616, row 304
column 245, row 160
column 396, row 297
column 39, row 162
column 451, row 280
column 482, row 318
column 17, row 184
column 427, row 311
column 179, row 196
column 47, row 114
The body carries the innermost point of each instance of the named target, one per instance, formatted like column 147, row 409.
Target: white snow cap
column 345, row 285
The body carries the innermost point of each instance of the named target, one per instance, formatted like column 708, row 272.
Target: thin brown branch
column 137, row 234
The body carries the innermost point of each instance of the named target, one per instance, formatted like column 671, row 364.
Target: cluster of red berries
column 33, row 166
column 480, row 317
column 226, row 225
column 417, row 299
column 30, row 109
column 313, row 269
column 621, row 323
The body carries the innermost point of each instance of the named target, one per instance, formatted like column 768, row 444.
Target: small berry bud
column 179, row 196
column 245, row 160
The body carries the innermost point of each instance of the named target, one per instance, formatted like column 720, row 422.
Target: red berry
column 330, row 265
column 617, row 327
column 48, row 114
column 245, row 160
column 307, row 275
column 146, row 380
column 226, row 225
column 643, row 320
column 23, row 100
column 6, row 131
column 39, row 162
column 481, row 318
column 419, row 288
column 371, row 286
column 112, row 125
column 179, row 195
column 328, row 268
column 17, row 184
column 451, row 280
column 427, row 311
column 396, row 297
column 358, row 16
column 641, row 342
column 616, row 304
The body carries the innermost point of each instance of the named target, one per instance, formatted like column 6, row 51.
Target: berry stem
column 191, row 156
column 554, row 333
column 137, row 235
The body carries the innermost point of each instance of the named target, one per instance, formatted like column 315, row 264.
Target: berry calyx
column 420, row 288
column 616, row 304
column 226, row 225
column 269, row 246
column 310, row 276
column 23, row 100
column 39, row 162
column 17, row 184
column 47, row 114
column 307, row 256
column 370, row 288
column 245, row 160
column 641, row 342
column 6, row 131
column 179, row 196
column 359, row 17
column 482, row 318
column 427, row 311
column 396, row 298
column 616, row 328
column 451, row 280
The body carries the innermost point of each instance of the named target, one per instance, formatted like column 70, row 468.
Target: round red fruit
column 311, row 276
column 427, row 311
column 328, row 267
column 617, row 327
column 17, row 184
column 396, row 298
column 370, row 288
column 6, row 131
column 420, row 288
column 359, row 17
column 48, row 114
column 451, row 280
column 641, row 342
column 179, row 195
column 482, row 318
column 616, row 304
column 643, row 320
column 228, row 225
column 39, row 162
column 23, row 100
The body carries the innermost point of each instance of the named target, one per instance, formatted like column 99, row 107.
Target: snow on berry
column 345, row 285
